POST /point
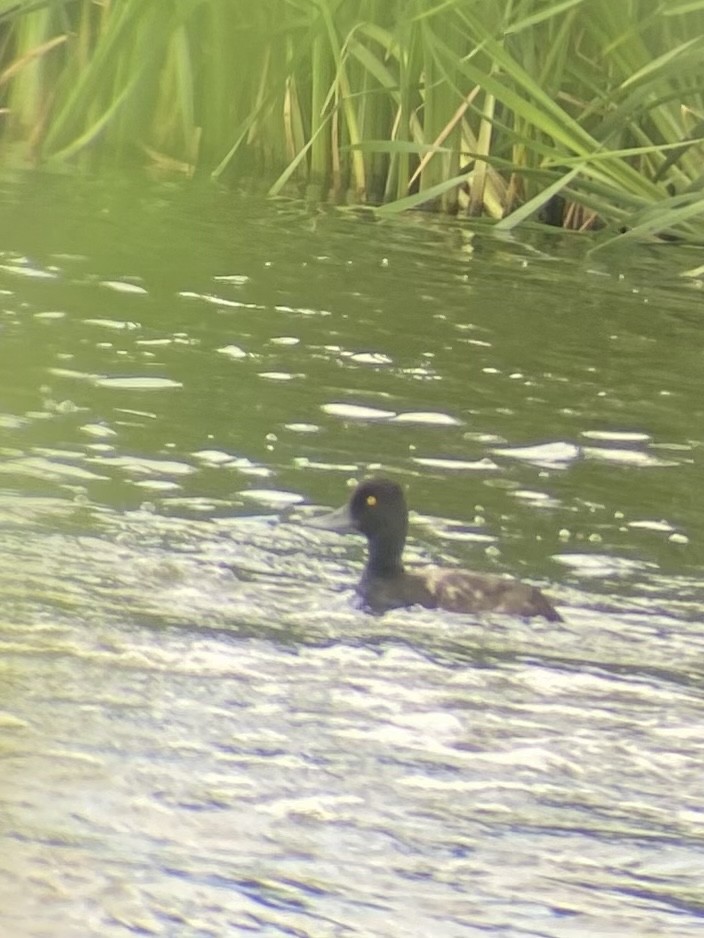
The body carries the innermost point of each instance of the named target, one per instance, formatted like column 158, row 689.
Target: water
column 200, row 735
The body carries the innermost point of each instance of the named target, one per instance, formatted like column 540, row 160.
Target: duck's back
column 455, row 591
column 463, row 591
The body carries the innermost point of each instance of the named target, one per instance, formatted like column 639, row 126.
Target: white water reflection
column 201, row 734
column 253, row 753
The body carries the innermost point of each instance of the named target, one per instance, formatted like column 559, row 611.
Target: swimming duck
column 377, row 508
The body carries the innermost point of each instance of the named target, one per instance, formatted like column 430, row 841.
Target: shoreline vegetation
column 586, row 114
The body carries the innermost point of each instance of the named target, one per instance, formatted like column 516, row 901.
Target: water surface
column 200, row 734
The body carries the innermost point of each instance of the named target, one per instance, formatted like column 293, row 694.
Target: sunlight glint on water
column 201, row 734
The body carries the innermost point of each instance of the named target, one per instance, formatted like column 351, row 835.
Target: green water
column 200, row 734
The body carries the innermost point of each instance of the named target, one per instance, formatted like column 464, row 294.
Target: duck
column 377, row 509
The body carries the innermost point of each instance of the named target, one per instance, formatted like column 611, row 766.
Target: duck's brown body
column 454, row 591
column 378, row 510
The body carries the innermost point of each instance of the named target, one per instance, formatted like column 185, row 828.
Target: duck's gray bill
column 338, row 520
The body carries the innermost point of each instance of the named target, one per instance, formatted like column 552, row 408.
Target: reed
column 587, row 113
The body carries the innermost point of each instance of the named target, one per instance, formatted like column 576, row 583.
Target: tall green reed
column 589, row 112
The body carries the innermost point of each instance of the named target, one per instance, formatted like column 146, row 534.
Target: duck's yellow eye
column 371, row 500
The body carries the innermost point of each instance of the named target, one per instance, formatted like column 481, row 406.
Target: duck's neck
column 384, row 558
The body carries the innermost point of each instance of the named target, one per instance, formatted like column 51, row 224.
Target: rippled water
column 200, row 735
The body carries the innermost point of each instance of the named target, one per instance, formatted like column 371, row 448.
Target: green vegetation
column 587, row 111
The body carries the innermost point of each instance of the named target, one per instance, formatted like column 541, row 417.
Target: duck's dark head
column 378, row 506
column 377, row 509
